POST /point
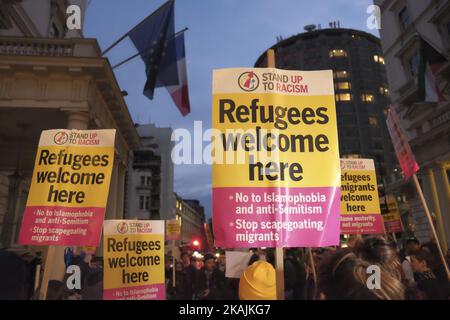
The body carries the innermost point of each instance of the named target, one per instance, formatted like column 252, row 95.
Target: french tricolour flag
column 177, row 88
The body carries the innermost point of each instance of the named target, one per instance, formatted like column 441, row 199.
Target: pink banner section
column 361, row 224
column 276, row 217
column 62, row 226
column 147, row 292
column 393, row 226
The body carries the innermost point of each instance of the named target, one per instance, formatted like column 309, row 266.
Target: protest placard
column 69, row 188
column 276, row 173
column 133, row 253
column 360, row 204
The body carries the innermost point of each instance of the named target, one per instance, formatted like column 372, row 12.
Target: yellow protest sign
column 133, row 253
column 173, row 230
column 360, row 204
column 69, row 188
column 392, row 220
column 276, row 173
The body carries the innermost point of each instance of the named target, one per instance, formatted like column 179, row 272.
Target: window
column 342, row 85
column 414, row 63
column 148, row 180
column 147, row 202
column 404, row 18
column 340, row 74
column 448, row 28
column 337, row 53
column 384, row 91
column 141, row 202
column 343, row 97
column 367, row 97
column 373, row 121
column 378, row 59
column 142, row 180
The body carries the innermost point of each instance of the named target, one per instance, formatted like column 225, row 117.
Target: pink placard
column 63, row 226
column 283, row 217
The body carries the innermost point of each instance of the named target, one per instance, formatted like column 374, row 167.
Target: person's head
column 12, row 276
column 179, row 266
column 222, row 258
column 412, row 245
column 344, row 274
column 258, row 282
column 380, row 251
column 185, row 258
column 210, row 262
column 420, row 261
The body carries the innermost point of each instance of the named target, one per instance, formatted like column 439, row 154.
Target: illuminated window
column 336, row 53
column 378, row 59
column 367, row 97
column 384, row 91
column 340, row 74
column 343, row 85
column 373, row 121
column 343, row 97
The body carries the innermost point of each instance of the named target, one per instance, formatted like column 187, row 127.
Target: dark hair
column 209, row 256
column 13, row 276
column 380, row 251
column 413, row 240
column 184, row 254
column 422, row 255
column 343, row 273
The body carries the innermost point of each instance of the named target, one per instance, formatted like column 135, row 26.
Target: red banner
column 401, row 146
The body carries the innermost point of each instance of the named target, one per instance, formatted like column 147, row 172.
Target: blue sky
column 222, row 34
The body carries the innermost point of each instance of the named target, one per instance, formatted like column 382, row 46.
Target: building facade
column 51, row 78
column 191, row 215
column 150, row 176
column 405, row 26
column 361, row 88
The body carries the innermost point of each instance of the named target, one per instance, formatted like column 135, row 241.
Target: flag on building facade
column 430, row 62
column 151, row 38
column 174, row 71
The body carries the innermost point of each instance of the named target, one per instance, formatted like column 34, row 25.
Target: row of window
column 348, row 86
column 340, row 53
column 365, row 97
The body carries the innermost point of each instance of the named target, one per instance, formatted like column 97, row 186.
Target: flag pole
column 137, row 54
column 279, row 258
column 132, row 29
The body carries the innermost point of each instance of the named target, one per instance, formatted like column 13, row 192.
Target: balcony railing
column 49, row 47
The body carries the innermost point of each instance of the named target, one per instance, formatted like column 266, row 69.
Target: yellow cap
column 258, row 282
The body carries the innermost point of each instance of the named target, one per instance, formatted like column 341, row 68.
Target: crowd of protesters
column 412, row 273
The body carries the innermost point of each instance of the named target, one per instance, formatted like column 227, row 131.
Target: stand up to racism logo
column 248, row 81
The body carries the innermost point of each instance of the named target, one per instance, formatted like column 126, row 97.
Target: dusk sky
column 222, row 34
